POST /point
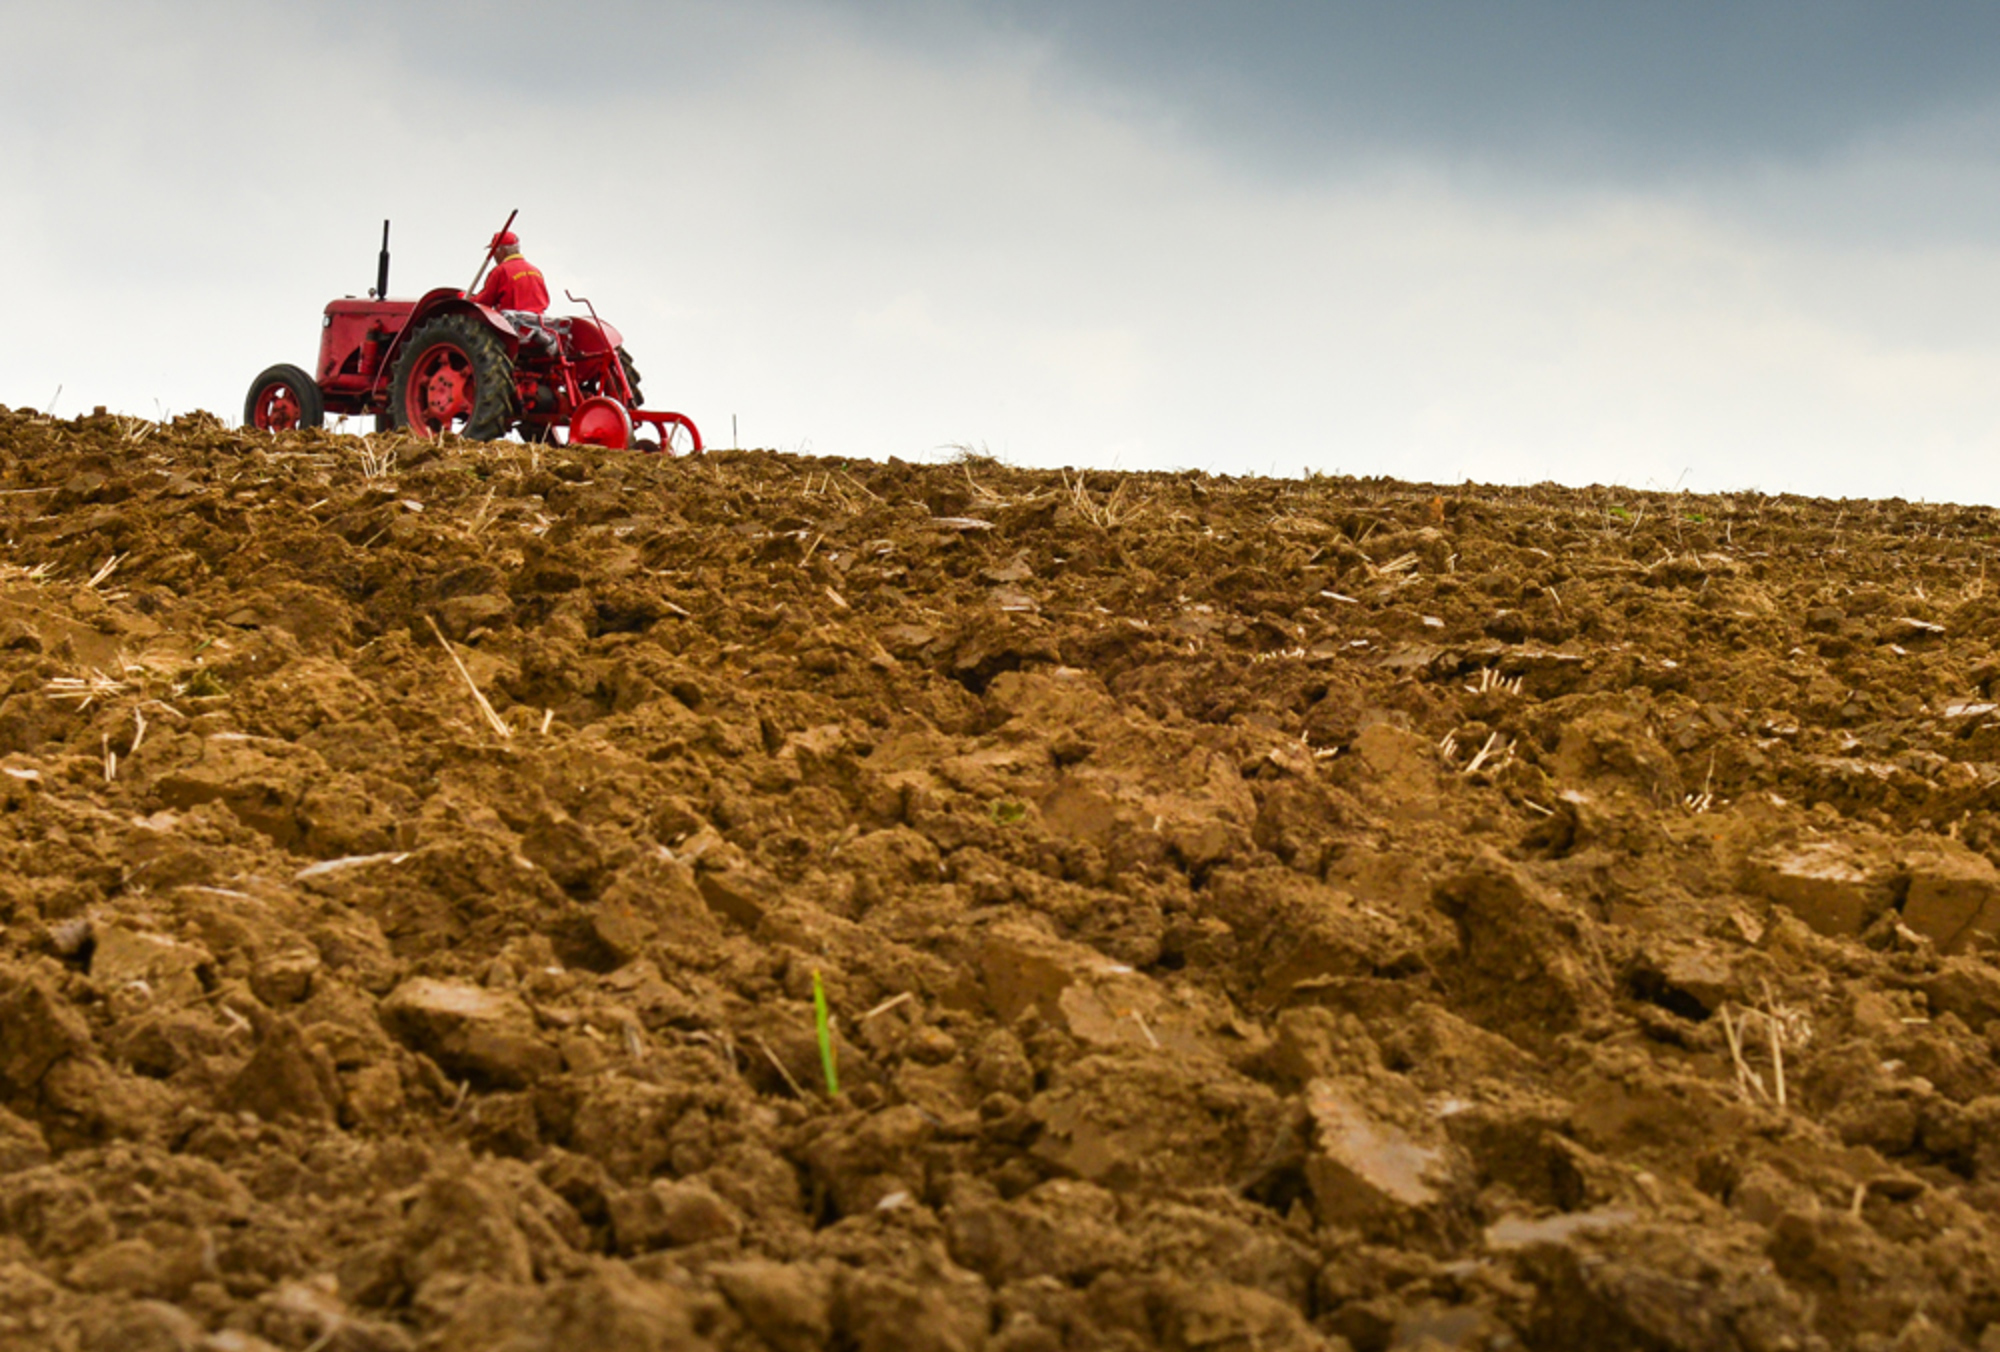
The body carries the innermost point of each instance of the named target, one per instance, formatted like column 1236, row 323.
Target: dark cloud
column 1626, row 89
column 1600, row 87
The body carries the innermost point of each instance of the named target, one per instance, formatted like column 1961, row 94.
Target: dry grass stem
column 481, row 518
column 1747, row 1080
column 1489, row 751
column 1111, row 512
column 1777, row 1044
column 1701, row 802
column 724, row 1043
column 980, row 492
column 1491, row 679
column 376, row 464
column 85, row 689
column 1778, row 1026
column 889, row 1004
column 779, row 1066
column 341, row 865
column 493, row 720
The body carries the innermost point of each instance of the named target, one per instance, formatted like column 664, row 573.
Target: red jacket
column 516, row 284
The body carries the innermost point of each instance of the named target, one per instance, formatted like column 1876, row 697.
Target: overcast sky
column 1714, row 245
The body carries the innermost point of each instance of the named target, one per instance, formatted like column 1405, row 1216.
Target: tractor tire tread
column 312, row 404
column 631, row 377
column 492, row 373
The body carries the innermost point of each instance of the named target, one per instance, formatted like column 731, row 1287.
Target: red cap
column 504, row 239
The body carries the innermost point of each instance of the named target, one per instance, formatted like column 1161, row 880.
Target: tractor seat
column 536, row 329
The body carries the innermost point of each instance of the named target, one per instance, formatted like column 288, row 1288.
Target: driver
column 516, row 284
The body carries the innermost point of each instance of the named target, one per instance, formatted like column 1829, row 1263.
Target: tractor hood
column 390, row 313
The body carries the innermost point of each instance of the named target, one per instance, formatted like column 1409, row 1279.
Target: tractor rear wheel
column 453, row 375
column 631, row 376
column 283, row 399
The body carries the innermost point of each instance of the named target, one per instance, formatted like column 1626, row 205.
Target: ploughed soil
column 1252, row 914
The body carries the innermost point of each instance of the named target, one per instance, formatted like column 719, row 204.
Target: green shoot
column 1008, row 813
column 201, row 683
column 824, row 1023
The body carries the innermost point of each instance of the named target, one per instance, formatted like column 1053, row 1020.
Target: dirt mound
column 1254, row 914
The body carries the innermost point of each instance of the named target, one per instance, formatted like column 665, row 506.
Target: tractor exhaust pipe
column 382, row 266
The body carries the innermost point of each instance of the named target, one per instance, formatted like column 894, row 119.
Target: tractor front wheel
column 453, row 375
column 283, row 399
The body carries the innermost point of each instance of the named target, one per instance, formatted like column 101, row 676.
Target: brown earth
column 1255, row 914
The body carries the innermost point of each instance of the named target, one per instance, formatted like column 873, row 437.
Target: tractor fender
column 445, row 300
column 450, row 300
column 440, row 301
column 593, row 337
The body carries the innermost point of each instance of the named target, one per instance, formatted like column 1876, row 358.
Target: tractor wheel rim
column 278, row 409
column 442, row 389
column 600, row 421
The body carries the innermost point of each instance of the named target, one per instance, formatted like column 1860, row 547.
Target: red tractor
column 445, row 364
